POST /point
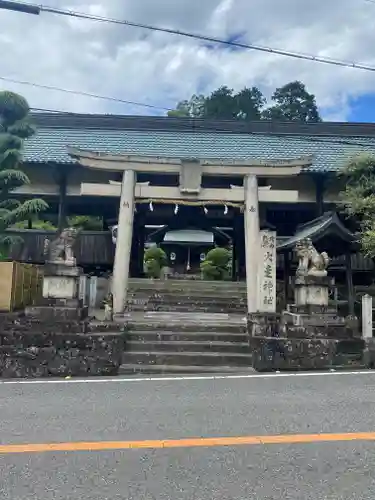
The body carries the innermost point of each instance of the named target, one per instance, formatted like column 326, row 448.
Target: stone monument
column 311, row 290
column 312, row 282
column 61, row 274
column 310, row 334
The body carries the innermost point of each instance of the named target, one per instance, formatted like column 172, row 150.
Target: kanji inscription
column 267, row 272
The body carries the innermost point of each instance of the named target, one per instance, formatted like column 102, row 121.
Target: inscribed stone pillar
column 367, row 316
column 123, row 243
column 252, row 241
column 267, row 272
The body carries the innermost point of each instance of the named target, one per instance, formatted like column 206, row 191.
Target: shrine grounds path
column 261, row 437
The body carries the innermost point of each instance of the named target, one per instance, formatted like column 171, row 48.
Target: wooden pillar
column 134, row 247
column 349, row 282
column 319, row 194
column 286, row 275
column 141, row 241
column 236, row 246
column 61, row 218
column 241, row 247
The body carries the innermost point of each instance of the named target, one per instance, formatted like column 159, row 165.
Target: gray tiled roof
column 328, row 223
column 329, row 152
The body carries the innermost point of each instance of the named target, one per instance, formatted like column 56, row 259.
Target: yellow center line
column 186, row 443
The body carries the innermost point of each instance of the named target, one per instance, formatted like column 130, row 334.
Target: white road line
column 120, row 380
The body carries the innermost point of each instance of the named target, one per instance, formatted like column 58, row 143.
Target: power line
column 53, row 111
column 82, row 93
column 37, row 9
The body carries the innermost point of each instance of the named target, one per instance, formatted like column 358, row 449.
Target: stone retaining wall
column 271, row 354
column 276, row 345
column 28, row 354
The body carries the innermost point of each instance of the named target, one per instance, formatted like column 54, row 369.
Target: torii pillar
column 190, row 171
column 121, row 264
column 252, row 241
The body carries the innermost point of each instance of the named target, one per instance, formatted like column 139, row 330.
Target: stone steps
column 187, row 296
column 130, row 369
column 187, row 346
column 188, row 341
column 195, row 336
column 189, row 301
column 184, row 326
column 188, row 306
column 187, row 358
column 212, row 308
column 192, row 296
column 150, row 284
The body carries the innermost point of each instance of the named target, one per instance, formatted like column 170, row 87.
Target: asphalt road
column 139, row 410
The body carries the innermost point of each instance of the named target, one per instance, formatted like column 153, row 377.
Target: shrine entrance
column 244, row 195
column 187, row 248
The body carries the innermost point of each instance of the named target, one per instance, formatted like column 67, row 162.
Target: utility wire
column 37, row 9
column 82, row 93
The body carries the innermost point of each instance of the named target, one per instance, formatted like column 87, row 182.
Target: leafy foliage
column 43, row 225
column 86, row 222
column 193, row 108
column 154, row 259
column 14, row 128
column 216, row 265
column 358, row 197
column 292, row 102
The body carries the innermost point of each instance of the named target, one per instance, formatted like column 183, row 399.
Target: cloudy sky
column 160, row 69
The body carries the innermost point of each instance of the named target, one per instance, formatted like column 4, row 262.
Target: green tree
column 15, row 127
column 250, row 102
column 358, row 198
column 293, row 103
column 223, row 103
column 193, row 108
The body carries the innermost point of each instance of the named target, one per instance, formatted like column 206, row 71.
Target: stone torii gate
column 190, row 189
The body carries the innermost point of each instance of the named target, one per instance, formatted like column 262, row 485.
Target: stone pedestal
column 312, row 290
column 61, row 300
column 61, row 282
column 311, row 316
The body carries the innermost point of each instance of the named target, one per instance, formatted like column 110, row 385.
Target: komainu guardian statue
column 60, row 250
column 310, row 261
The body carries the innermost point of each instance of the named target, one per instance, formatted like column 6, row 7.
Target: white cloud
column 157, row 68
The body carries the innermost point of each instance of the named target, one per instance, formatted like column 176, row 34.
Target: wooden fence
column 93, row 248
column 20, row 285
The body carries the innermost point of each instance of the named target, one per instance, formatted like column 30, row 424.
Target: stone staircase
column 186, row 326
column 177, row 342
column 187, row 296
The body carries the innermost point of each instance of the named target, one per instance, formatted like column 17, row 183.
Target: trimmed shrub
column 216, row 265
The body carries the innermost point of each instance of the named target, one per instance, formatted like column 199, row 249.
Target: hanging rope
column 191, row 203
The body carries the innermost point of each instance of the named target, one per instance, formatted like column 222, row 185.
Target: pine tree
column 15, row 127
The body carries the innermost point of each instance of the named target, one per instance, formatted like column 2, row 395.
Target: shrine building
column 190, row 184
